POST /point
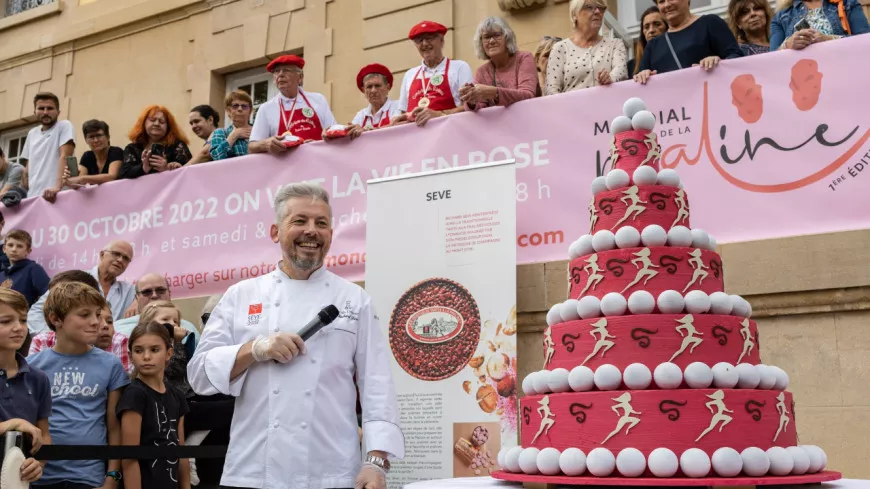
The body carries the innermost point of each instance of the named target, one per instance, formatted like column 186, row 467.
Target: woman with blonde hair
column 586, row 59
column 542, row 58
column 749, row 20
column 157, row 144
column 508, row 75
column 799, row 23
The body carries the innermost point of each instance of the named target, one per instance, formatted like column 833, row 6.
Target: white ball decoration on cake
column 632, row 106
column 572, row 462
column 755, row 462
column 548, row 461
column 766, row 376
column 643, row 121
column 554, row 315
column 720, row 303
column 669, row 178
column 581, row 379
column 644, row 175
column 727, row 462
column 502, row 453
column 697, row 302
column 637, row 376
column 584, row 245
column 599, row 185
column 748, row 376
column 529, row 384
column 607, row 377
column 620, row 124
column 781, row 462
column 589, row 307
column 630, row 462
column 641, row 302
column 512, row 460
column 680, row 236
column 529, row 460
column 740, row 306
column 600, row 462
column 574, row 250
column 801, row 460
column 700, row 239
column 558, row 381
column 713, row 243
column 542, row 381
column 653, row 235
column 663, row 462
column 725, row 376
column 670, row 302
column 668, row 375
column 695, row 463
column 818, row 459
column 613, row 304
column 627, row 237
column 603, row 240
column 698, row 375
column 617, row 179
column 568, row 310
column 781, row 379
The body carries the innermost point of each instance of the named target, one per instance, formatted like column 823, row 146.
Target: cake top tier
column 634, row 143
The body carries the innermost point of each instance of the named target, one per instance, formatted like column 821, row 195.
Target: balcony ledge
column 40, row 12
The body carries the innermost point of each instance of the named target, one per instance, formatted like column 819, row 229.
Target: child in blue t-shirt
column 86, row 384
column 25, row 396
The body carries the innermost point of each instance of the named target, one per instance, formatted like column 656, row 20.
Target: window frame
column 250, row 77
column 7, row 136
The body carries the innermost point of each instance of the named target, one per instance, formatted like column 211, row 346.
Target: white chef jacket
column 295, row 424
column 460, row 74
column 389, row 110
column 268, row 117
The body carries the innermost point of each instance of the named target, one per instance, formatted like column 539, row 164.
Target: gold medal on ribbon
column 424, row 102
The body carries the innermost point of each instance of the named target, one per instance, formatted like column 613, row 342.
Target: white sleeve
column 67, row 134
column 325, row 114
column 261, row 129
column 380, row 410
column 35, row 317
column 209, row 370
column 403, row 97
column 25, row 152
column 360, row 117
column 463, row 76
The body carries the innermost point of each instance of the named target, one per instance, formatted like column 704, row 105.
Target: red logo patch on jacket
column 255, row 309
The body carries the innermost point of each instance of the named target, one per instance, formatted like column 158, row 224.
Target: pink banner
column 767, row 146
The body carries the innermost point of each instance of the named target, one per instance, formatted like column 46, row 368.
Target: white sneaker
column 194, row 478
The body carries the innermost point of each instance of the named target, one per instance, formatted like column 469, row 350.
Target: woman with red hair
column 157, row 144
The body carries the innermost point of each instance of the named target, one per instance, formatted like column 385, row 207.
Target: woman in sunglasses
column 233, row 141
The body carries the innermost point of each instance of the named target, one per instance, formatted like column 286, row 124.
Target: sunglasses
column 156, row 290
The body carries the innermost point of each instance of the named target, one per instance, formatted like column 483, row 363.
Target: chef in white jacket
column 295, row 424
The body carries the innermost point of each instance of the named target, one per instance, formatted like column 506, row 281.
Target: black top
column 89, row 160
column 707, row 36
column 132, row 165
column 161, row 414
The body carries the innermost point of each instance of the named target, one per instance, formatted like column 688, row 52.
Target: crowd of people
column 89, row 358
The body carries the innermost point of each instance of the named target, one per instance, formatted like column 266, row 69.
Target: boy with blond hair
column 24, row 390
column 86, row 384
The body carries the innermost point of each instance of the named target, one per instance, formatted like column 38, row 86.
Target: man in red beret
column 303, row 114
column 376, row 81
column 432, row 90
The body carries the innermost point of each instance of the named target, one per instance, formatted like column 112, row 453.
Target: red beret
column 287, row 59
column 427, row 27
column 373, row 69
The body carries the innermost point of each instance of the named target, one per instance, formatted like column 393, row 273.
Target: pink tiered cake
column 651, row 370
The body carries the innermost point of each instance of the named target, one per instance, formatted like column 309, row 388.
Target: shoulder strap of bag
column 673, row 53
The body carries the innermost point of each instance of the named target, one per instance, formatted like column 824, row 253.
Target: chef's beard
column 306, row 264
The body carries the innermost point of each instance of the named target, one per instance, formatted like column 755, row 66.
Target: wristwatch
column 378, row 461
column 114, row 474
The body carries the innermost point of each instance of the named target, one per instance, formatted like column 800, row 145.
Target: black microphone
column 326, row 316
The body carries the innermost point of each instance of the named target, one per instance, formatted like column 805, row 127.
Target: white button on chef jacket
column 295, row 424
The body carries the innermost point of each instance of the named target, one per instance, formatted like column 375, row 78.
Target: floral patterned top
column 817, row 20
column 132, row 165
column 750, row 49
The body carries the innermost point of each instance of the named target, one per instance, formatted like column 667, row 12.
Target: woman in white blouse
column 586, row 59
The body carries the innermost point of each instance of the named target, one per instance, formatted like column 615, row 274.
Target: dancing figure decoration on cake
column 592, row 269
column 700, row 270
column 652, row 144
column 647, row 270
column 634, row 208
column 593, row 216
column 600, row 327
column 682, row 207
column 547, row 416
column 614, row 153
column 748, row 340
column 718, row 400
column 549, row 346
column 626, row 418
column 689, row 339
column 783, row 415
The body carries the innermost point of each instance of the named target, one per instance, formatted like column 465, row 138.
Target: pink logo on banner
column 766, row 146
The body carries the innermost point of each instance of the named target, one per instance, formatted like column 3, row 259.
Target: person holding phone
column 799, row 23
column 158, row 144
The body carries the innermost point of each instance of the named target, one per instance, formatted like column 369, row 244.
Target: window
column 257, row 83
column 631, row 10
column 17, row 6
column 12, row 143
